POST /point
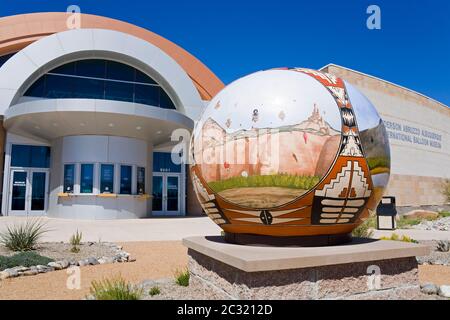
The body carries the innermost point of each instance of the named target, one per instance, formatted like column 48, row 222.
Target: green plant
column 25, row 259
column 365, row 229
column 154, row 291
column 182, row 277
column 276, row 180
column 443, row 246
column 23, row 236
column 396, row 237
column 115, row 289
column 403, row 222
column 75, row 241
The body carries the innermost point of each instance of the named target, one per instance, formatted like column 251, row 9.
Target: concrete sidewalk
column 162, row 229
column 415, row 234
column 155, row 229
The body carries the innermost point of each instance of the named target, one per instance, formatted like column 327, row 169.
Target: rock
column 64, row 264
column 119, row 247
column 21, row 269
column 82, row 263
column 429, row 288
column 421, row 214
column 444, row 291
column 33, row 271
column 131, row 259
column 4, row 275
column 92, row 261
column 12, row 273
column 55, row 265
column 43, row 269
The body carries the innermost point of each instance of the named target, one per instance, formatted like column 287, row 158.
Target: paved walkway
column 162, row 229
column 155, row 229
column 415, row 234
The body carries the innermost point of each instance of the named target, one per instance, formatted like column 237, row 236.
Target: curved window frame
column 105, row 80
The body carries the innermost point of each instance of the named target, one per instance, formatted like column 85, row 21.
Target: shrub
column 154, row 291
column 364, row 230
column 23, row 236
column 396, row 237
column 182, row 277
column 25, row 259
column 115, row 289
column 75, row 241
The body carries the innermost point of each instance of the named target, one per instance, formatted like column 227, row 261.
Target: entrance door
column 166, row 194
column 28, row 192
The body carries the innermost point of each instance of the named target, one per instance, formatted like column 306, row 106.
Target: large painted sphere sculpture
column 289, row 152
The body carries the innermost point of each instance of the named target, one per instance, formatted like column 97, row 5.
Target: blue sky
column 237, row 37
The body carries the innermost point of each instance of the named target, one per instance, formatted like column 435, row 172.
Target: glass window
column 107, row 178
column 125, row 179
column 94, row 68
column 143, row 78
column 119, row 91
column 119, row 71
column 69, row 177
column 165, row 101
column 140, row 180
column 58, row 87
column 146, row 94
column 87, row 178
column 162, row 162
column 68, row 68
column 88, row 79
column 89, row 88
column 30, row 156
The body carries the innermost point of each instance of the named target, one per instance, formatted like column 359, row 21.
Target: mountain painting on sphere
column 261, row 160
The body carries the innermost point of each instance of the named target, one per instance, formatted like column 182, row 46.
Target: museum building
column 87, row 116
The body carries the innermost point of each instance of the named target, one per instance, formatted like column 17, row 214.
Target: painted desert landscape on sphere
column 266, row 167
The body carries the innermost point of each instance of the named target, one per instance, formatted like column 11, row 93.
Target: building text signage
column 413, row 135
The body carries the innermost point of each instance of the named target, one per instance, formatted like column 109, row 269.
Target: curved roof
column 21, row 30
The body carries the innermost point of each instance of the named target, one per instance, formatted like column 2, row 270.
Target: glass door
column 172, row 194
column 158, row 194
column 18, row 192
column 166, row 194
column 38, row 192
column 28, row 195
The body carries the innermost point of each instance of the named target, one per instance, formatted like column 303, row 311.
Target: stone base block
column 353, row 271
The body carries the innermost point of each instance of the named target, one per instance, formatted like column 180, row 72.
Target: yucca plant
column 443, row 246
column 115, row 289
column 23, row 236
column 75, row 241
column 182, row 277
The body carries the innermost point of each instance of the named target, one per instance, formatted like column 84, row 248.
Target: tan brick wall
column 416, row 191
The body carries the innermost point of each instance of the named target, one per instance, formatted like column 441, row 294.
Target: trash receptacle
column 386, row 214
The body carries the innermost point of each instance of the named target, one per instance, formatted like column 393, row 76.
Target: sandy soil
column 155, row 260
column 261, row 197
column 438, row 275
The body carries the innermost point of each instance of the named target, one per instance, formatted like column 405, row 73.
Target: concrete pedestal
column 361, row 269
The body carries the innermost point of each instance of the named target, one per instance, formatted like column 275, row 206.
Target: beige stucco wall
column 420, row 164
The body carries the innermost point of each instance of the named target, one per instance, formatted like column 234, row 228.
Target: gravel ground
column 442, row 224
column 171, row 291
column 155, row 260
column 435, row 257
column 61, row 251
